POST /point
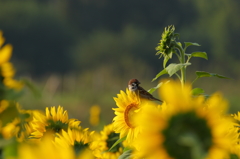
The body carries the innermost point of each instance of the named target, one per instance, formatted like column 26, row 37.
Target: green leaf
column 200, row 54
column 126, row 155
column 173, row 68
column 207, row 74
column 197, row 91
column 151, row 90
column 117, row 142
column 189, row 44
column 160, row 74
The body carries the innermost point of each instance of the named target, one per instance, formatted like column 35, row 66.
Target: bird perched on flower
column 133, row 85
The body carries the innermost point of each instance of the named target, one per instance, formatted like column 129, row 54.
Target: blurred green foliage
column 59, row 36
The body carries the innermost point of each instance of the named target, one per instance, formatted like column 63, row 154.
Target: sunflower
column 54, row 121
column 76, row 138
column 166, row 46
column 15, row 121
column 129, row 105
column 190, row 127
column 105, row 141
column 44, row 149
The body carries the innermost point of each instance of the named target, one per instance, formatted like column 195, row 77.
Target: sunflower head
column 54, row 121
column 188, row 128
column 129, row 105
column 76, row 138
column 166, row 46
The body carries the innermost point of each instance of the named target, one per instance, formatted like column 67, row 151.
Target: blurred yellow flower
column 236, row 116
column 11, row 129
column 54, row 121
column 105, row 141
column 2, row 39
column 94, row 115
column 129, row 105
column 7, row 70
column 19, row 126
column 44, row 149
column 13, row 84
column 5, row 51
column 77, row 139
column 189, row 127
column 86, row 154
column 3, row 105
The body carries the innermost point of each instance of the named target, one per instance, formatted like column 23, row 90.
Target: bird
column 133, row 86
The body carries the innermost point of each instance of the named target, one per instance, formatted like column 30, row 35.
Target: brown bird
column 133, row 85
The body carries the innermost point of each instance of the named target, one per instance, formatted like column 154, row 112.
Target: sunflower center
column 186, row 133
column 129, row 111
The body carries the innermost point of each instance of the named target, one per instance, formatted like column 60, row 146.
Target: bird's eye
column 133, row 84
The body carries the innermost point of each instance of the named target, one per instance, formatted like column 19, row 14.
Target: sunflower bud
column 166, row 46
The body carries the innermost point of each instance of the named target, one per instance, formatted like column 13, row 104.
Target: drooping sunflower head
column 188, row 128
column 14, row 121
column 129, row 104
column 166, row 46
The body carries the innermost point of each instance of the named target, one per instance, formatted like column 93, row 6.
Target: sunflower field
column 185, row 124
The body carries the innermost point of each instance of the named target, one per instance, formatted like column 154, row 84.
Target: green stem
column 178, row 76
column 195, row 80
column 182, row 61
